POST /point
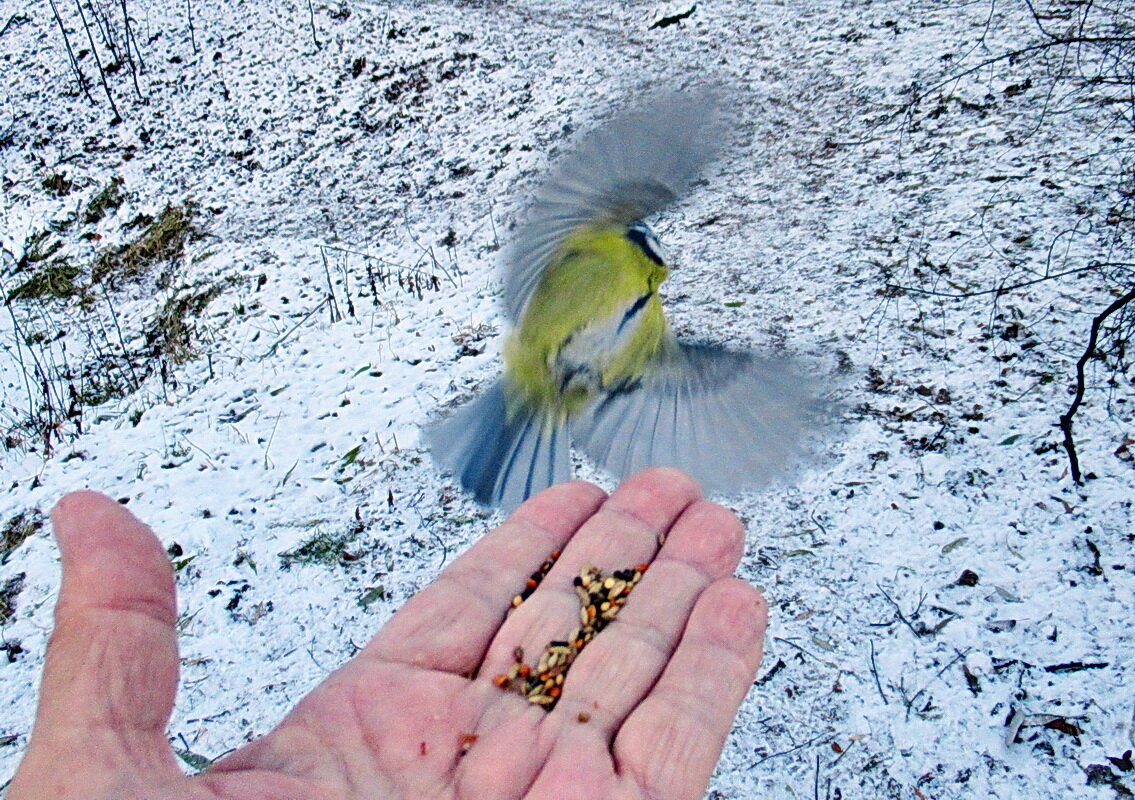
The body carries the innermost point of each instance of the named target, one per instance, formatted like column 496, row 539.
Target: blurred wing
column 730, row 419
column 628, row 169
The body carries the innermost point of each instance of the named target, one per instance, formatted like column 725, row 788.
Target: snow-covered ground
column 353, row 171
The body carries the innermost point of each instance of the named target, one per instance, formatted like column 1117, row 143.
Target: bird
column 590, row 359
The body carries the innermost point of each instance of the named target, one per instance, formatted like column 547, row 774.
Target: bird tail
column 500, row 454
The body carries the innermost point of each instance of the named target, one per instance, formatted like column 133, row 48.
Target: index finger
column 449, row 624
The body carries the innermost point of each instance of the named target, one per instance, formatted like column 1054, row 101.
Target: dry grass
column 173, row 330
column 57, row 279
column 163, row 241
column 17, row 530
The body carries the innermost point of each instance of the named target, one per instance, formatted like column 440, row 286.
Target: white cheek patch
column 657, row 251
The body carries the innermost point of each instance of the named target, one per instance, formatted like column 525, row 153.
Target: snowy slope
column 379, row 153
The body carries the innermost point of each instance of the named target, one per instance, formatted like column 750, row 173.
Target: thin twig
column 805, row 652
column 128, row 39
column 875, row 672
column 272, row 350
column 98, row 63
column 347, row 287
column 335, row 313
column 16, row 17
column 901, row 616
column 311, row 15
column 426, row 251
column 71, row 54
column 121, row 340
column 1014, row 54
column 210, row 458
column 915, row 696
column 800, row 746
column 189, row 18
column 399, row 267
column 267, row 462
column 1067, row 417
column 998, row 290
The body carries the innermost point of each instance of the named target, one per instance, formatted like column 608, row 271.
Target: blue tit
column 590, row 359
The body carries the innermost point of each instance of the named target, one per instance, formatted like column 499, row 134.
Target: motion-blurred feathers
column 591, row 359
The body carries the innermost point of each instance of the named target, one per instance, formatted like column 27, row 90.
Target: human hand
column 644, row 712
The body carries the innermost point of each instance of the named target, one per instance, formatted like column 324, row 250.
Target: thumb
column 110, row 673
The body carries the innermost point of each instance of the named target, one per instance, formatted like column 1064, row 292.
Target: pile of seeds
column 601, row 597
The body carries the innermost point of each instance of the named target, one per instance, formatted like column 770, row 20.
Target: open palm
column 644, row 711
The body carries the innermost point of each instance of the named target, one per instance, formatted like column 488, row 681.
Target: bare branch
column 1067, row 417
column 71, row 54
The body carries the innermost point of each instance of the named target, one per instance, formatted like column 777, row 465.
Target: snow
column 883, row 677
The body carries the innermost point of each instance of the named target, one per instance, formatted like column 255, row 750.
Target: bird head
column 641, row 234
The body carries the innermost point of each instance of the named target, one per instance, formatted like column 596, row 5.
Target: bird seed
column 601, row 597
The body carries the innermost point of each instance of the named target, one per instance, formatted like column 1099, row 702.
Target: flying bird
column 590, row 359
